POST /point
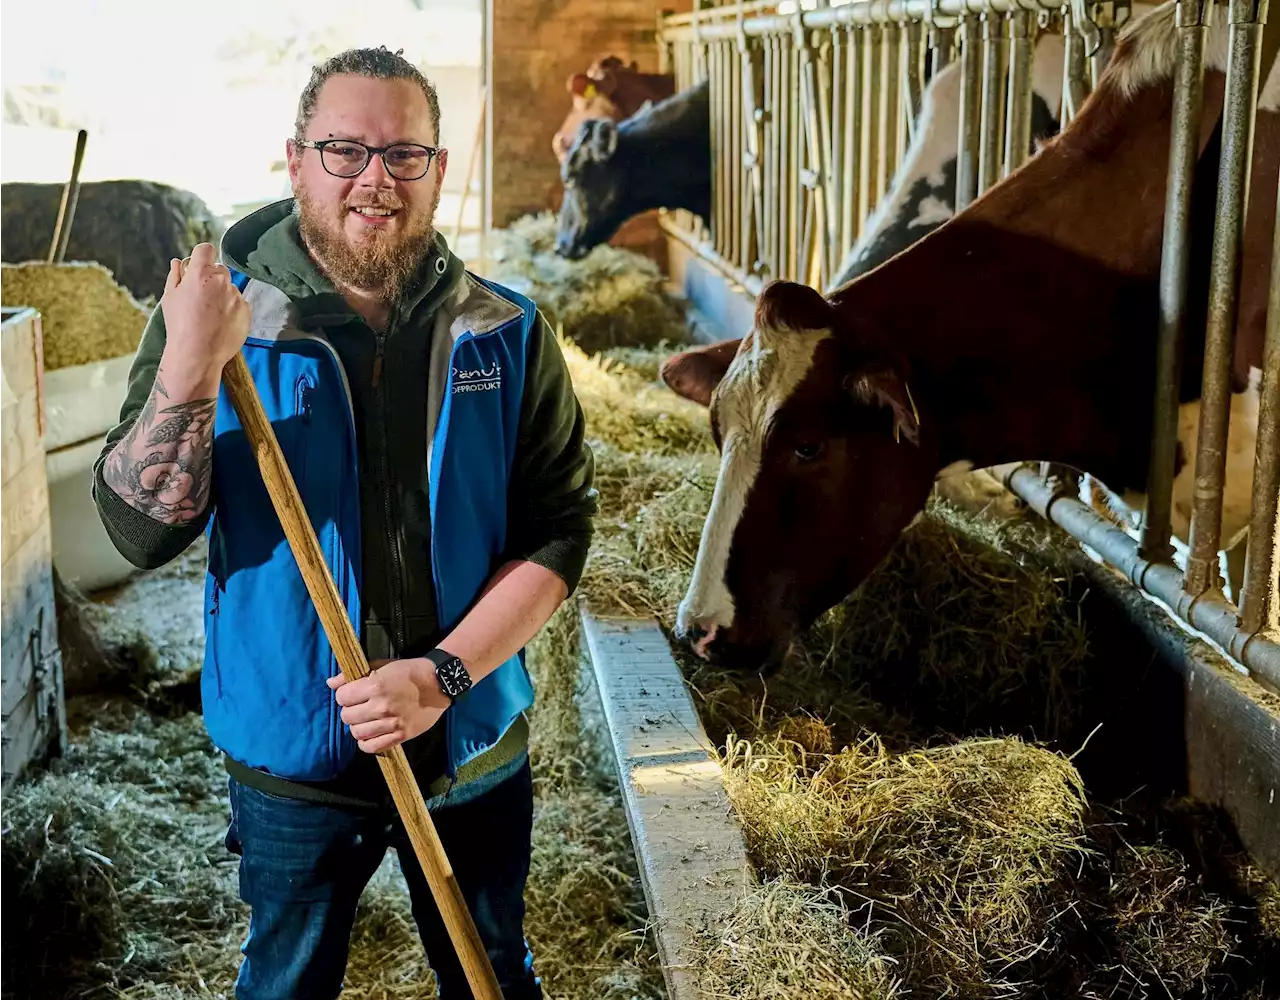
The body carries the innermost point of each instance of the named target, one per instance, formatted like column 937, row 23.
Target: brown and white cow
column 608, row 89
column 1022, row 329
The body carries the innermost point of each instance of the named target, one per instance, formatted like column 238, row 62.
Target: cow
column 658, row 158
column 1022, row 329
column 921, row 196
column 608, row 89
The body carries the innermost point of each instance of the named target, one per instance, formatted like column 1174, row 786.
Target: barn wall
column 535, row 46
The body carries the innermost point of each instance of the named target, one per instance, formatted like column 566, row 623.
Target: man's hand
column 206, row 318
column 399, row 700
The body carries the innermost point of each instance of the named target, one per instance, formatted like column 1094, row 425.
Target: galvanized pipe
column 913, row 71
column 991, row 118
column 1075, row 88
column 863, row 14
column 867, row 190
column 1188, row 94
column 850, row 219
column 1220, row 332
column 1208, row 613
column 795, row 152
column 1260, row 603
column 890, row 114
column 1017, row 140
column 967, row 154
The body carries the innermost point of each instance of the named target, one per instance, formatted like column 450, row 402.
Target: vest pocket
column 303, row 393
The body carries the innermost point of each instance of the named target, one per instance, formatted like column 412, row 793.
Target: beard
column 383, row 263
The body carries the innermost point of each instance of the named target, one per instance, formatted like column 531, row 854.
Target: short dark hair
column 381, row 64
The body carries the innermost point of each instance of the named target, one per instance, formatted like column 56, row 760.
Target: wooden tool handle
column 346, row 646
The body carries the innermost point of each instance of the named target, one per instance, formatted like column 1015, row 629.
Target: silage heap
column 905, row 783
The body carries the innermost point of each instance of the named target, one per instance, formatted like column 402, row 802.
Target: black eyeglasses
column 405, row 161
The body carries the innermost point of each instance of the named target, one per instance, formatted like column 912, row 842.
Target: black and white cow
column 660, row 157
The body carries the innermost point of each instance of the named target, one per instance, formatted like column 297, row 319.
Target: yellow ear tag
column 590, row 91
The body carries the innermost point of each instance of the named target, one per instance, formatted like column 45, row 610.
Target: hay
column 85, row 315
column 956, row 848
column 610, row 298
column 974, row 865
column 791, row 941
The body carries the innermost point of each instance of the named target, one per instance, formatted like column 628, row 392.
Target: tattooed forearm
column 164, row 465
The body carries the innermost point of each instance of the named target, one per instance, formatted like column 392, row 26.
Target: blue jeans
column 303, row 866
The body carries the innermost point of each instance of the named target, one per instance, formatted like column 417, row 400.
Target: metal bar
column 1075, row 87
column 771, row 159
column 1209, row 614
column 1017, row 140
column 1247, row 18
column 795, row 160
column 752, row 283
column 839, row 192
column 823, row 95
column 967, row 154
column 753, row 100
column 851, row 220
column 1188, row 96
column 991, row 119
column 717, row 153
column 913, row 76
column 871, row 140
column 862, row 14
column 890, row 112
column 1260, row 603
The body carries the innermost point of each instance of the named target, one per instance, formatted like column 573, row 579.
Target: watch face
column 453, row 676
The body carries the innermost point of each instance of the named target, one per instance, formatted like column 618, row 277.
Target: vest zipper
column 393, row 547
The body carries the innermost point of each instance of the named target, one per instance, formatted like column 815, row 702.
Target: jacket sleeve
column 551, row 500
column 142, row 540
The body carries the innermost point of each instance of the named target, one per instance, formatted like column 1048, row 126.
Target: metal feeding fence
column 813, row 108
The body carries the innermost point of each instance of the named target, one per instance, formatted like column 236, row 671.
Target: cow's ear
column 695, row 373
column 578, row 84
column 604, row 139
column 880, row 385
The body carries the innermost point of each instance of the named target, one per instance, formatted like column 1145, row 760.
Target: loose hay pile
column 85, row 315
column 610, row 298
column 973, row 868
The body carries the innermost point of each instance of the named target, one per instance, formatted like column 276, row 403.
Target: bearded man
column 428, row 419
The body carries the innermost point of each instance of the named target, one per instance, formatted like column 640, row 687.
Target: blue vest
column 266, row 703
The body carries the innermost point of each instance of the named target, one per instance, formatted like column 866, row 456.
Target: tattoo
column 169, row 476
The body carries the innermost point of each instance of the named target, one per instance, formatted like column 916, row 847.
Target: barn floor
column 117, row 850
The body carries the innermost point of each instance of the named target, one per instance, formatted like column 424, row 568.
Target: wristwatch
column 451, row 673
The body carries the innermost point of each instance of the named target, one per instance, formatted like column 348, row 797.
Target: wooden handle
column 346, row 646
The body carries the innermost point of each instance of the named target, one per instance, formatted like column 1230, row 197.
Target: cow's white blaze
column 760, row 379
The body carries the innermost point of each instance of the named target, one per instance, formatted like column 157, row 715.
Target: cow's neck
column 1032, row 323
column 668, row 155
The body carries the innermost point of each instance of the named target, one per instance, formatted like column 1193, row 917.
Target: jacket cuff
column 142, row 540
column 565, row 555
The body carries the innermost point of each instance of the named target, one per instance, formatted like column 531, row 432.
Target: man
column 429, row 422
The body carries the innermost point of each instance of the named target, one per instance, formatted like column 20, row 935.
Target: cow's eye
column 808, row 451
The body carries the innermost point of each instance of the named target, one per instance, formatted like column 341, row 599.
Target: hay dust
column 85, row 315
column 895, row 860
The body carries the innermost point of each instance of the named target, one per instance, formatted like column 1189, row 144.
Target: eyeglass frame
column 370, row 151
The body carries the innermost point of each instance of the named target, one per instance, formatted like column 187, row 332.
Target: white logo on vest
column 478, row 380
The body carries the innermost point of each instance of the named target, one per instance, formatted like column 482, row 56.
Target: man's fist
column 206, row 318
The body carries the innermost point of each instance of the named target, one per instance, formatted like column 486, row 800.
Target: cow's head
column 593, row 190
column 825, row 459
column 592, row 94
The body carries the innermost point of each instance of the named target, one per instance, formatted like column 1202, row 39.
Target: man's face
column 342, row 219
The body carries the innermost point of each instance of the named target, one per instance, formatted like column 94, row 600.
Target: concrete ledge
column 693, row 859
